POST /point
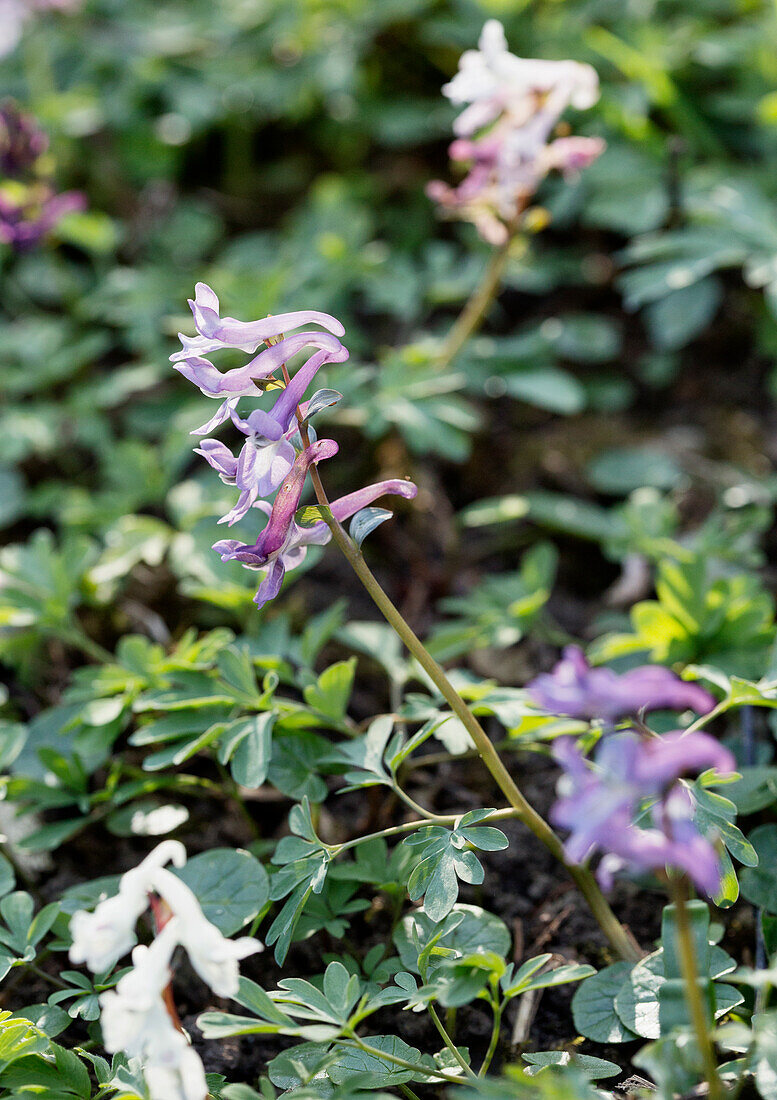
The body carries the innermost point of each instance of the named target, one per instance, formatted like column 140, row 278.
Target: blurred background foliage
column 279, row 149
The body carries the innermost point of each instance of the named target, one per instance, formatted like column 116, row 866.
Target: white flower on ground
column 213, row 956
column 134, row 1012
column 135, row 1016
column 135, row 1020
column 173, row 1071
column 102, row 937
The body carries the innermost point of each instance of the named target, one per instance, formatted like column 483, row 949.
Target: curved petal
column 225, row 410
column 238, row 382
column 247, row 335
column 352, row 503
column 271, row 585
column 219, row 456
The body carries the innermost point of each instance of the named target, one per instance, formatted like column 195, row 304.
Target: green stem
column 621, row 941
column 703, row 719
column 472, row 316
column 693, row 997
column 47, row 977
column 609, row 923
column 497, row 1007
column 410, row 826
column 408, row 1092
column 449, row 1042
column 437, row 819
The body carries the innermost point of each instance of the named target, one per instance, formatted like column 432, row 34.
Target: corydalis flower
column 102, row 937
column 217, row 333
column 268, row 460
column 512, row 107
column 22, row 141
column 576, row 690
column 134, row 1016
column 267, row 456
column 283, row 543
column 135, row 1020
column 30, row 213
column 599, row 804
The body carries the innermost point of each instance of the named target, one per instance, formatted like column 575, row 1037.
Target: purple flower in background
column 576, row 690
column 216, row 333
column 599, row 803
column 283, row 543
column 512, row 105
column 22, row 141
column 29, row 216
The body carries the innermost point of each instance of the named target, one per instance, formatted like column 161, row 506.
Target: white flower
column 134, row 1012
column 102, row 937
column 213, row 956
column 175, row 1072
column 12, row 18
column 493, row 80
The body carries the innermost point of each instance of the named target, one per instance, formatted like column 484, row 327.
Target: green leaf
column 759, row 884
column 331, row 694
column 466, row 930
column 7, row 876
column 593, row 1068
column 366, row 521
column 675, row 319
column 251, row 758
column 382, row 1074
column 231, row 886
column 593, row 1007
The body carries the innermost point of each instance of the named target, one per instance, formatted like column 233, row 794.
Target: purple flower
column 31, row 213
column 512, row 107
column 576, row 690
column 283, row 543
column 22, row 141
column 599, row 804
column 215, row 333
column 267, row 455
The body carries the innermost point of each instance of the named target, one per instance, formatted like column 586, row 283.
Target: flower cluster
column 136, row 1015
column 576, row 690
column 276, row 454
column 30, row 207
column 504, row 133
column 599, row 804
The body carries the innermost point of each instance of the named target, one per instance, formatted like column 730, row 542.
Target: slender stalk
column 47, row 977
column 472, row 316
column 703, row 719
column 430, row 816
column 693, row 997
column 497, row 1007
column 410, row 826
column 622, row 942
column 609, row 923
column 449, row 1042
